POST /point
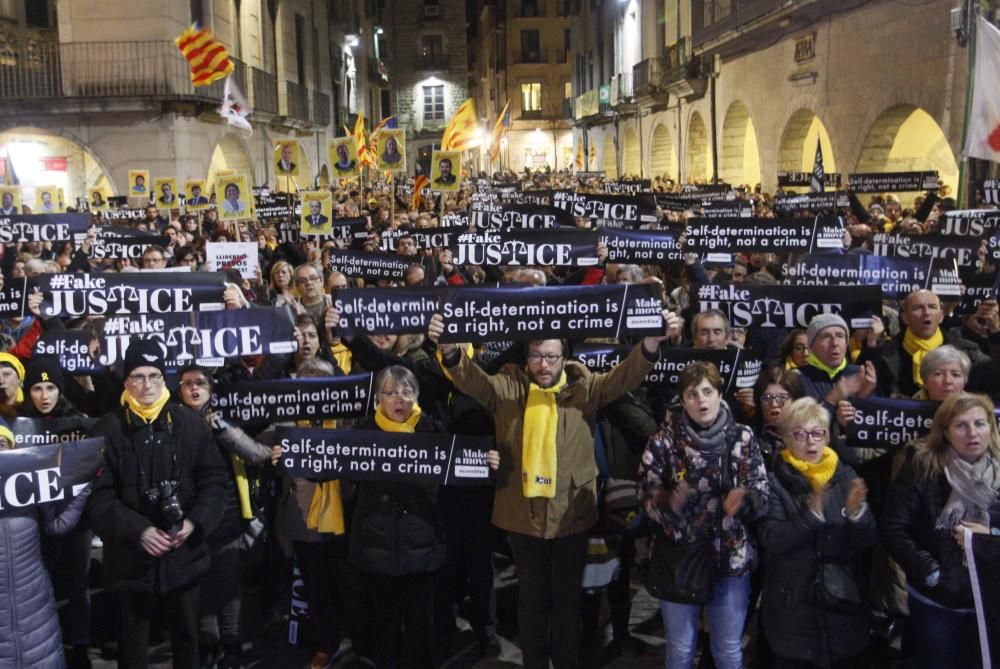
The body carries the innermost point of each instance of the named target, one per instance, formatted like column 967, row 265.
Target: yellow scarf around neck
column 918, row 348
column 147, row 413
column 387, row 424
column 830, row 371
column 818, row 474
column 790, row 364
column 326, row 510
column 342, row 355
column 539, row 458
column 854, row 349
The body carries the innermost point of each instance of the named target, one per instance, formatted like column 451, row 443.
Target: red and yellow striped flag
column 579, row 157
column 365, row 156
column 503, row 122
column 463, row 129
column 207, row 57
column 418, row 185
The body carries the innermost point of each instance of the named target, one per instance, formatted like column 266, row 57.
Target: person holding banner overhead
column 29, row 628
column 950, row 486
column 551, row 511
column 817, row 526
column 160, row 494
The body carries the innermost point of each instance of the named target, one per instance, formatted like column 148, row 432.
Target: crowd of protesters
column 749, row 514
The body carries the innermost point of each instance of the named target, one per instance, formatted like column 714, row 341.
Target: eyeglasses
column 306, row 279
column 190, row 385
column 145, row 379
column 405, row 395
column 550, row 358
column 815, row 435
column 780, row 400
column 799, row 348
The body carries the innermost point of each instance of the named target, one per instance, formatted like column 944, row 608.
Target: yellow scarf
column 326, row 510
column 469, row 352
column 539, row 459
column 242, row 486
column 854, row 349
column 830, row 371
column 387, row 424
column 918, row 348
column 818, row 474
column 342, row 355
column 147, row 413
column 790, row 364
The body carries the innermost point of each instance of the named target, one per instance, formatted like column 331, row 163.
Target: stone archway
column 907, row 138
column 631, row 159
column 697, row 166
column 797, row 150
column 662, row 157
column 740, row 159
column 28, row 147
column 610, row 158
column 230, row 154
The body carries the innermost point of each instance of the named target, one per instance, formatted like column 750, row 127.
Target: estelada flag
column 207, row 57
column 418, row 185
column 503, row 122
column 462, row 131
column 983, row 137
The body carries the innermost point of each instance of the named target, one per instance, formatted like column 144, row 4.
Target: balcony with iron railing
column 296, row 101
column 540, row 56
column 647, row 76
column 739, row 20
column 432, row 61
column 265, row 91
column 320, row 108
column 621, row 91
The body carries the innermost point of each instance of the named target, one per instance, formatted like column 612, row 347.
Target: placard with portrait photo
column 234, row 201
column 196, row 195
column 446, row 171
column 390, row 153
column 10, row 200
column 165, row 191
column 344, row 156
column 286, row 158
column 97, row 199
column 317, row 213
column 47, row 200
column 138, row 183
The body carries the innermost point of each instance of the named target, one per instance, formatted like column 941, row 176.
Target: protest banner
column 123, row 243
column 71, row 348
column 766, row 306
column 976, row 288
column 896, row 276
column 307, row 398
column 49, row 430
column 123, row 214
column 922, row 247
column 274, row 205
column 44, row 474
column 373, row 455
column 554, row 312
column 350, row 229
column 74, row 295
column 628, row 209
column 385, row 311
column 224, row 256
column 424, row 239
column 23, row 228
column 970, row 222
column 536, row 197
column 892, row 182
column 727, row 209
column 708, row 192
column 988, row 192
column 205, row 338
column 804, row 179
column 627, row 186
column 12, row 298
column 643, row 246
column 523, row 216
column 982, row 554
column 555, row 246
column 775, row 235
column 880, row 422
column 786, row 204
column 369, row 266
column 673, row 360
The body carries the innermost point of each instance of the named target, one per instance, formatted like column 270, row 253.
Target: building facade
column 101, row 84
column 694, row 89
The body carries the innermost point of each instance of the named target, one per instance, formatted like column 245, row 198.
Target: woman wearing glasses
column 703, row 481
column 775, row 389
column 817, row 525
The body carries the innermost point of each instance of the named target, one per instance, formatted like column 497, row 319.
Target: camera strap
column 144, row 480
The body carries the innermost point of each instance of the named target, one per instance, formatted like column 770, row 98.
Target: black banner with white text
column 44, row 474
column 311, row 398
column 767, row 306
column 880, row 422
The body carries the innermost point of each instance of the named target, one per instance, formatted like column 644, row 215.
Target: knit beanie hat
column 822, row 322
column 144, row 353
column 44, row 370
column 13, row 361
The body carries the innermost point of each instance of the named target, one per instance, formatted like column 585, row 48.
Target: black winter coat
column 397, row 528
column 907, row 522
column 119, row 511
column 793, row 539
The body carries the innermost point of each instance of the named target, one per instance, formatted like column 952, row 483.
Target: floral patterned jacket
column 671, row 457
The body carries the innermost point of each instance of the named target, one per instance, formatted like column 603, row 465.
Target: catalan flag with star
column 207, row 57
column 365, row 156
column 418, row 186
column 463, row 129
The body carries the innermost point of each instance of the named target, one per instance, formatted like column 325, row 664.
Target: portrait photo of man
column 46, row 201
column 317, row 212
column 10, row 201
column 287, row 155
column 166, row 189
column 138, row 180
column 444, row 175
column 195, row 194
column 342, row 156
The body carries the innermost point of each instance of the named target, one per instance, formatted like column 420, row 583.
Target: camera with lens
column 164, row 495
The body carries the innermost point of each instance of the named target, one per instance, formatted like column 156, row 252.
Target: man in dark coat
column 162, row 491
column 828, row 377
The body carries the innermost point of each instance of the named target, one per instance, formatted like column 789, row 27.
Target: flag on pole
column 579, row 156
column 364, row 155
column 983, row 133
column 418, row 185
column 502, row 124
column 207, row 57
column 817, row 183
column 462, row 131
column 387, row 122
column 235, row 107
column 593, row 155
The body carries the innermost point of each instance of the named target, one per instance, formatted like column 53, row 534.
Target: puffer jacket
column 793, row 539
column 397, row 528
column 670, row 457
column 574, row 507
column 29, row 626
column 911, row 510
